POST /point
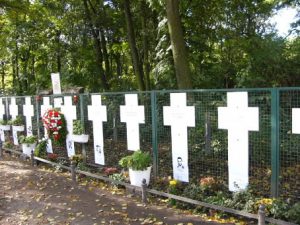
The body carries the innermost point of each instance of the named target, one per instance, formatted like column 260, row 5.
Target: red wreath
column 55, row 123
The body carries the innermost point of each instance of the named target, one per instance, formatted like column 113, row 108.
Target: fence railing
column 210, row 147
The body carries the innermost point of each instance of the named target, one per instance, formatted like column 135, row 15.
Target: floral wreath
column 55, row 123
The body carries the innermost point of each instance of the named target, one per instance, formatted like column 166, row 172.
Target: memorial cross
column 132, row 114
column 69, row 112
column 238, row 119
column 179, row 117
column 28, row 112
column 97, row 114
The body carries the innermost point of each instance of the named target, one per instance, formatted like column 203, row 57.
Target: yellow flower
column 173, row 182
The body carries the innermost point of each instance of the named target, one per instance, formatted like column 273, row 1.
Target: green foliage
column 77, row 158
column 8, row 145
column 3, row 122
column 139, row 160
column 27, row 139
column 78, row 127
column 41, row 149
column 293, row 213
column 16, row 122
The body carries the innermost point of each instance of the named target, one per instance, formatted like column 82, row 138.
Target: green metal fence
column 274, row 155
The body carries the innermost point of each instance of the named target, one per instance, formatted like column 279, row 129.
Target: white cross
column 238, row 118
column 2, row 113
column 13, row 108
column 69, row 112
column 97, row 114
column 28, row 113
column 296, row 121
column 57, row 102
column 132, row 114
column 179, row 117
column 14, row 112
column 46, row 105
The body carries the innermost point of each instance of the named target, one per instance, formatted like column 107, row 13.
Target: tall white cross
column 132, row 114
column 14, row 112
column 238, row 118
column 69, row 112
column 97, row 114
column 2, row 113
column 179, row 117
column 46, row 105
column 13, row 108
column 296, row 120
column 28, row 112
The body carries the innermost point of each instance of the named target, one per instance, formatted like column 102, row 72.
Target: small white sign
column 56, row 83
column 296, row 120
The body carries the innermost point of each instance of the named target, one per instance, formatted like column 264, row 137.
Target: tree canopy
column 117, row 45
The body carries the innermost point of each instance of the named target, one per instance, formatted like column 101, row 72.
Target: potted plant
column 17, row 124
column 77, row 158
column 139, row 165
column 4, row 125
column 28, row 143
column 78, row 133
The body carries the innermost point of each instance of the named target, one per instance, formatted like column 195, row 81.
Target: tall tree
column 137, row 65
column 180, row 55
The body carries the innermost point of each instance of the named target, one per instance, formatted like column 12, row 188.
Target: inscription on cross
column 238, row 119
column 132, row 114
column 69, row 112
column 97, row 114
column 179, row 117
column 44, row 107
column 28, row 113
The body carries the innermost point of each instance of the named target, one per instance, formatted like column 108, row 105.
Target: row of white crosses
column 237, row 118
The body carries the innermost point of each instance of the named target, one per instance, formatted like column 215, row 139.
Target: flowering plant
column 55, row 123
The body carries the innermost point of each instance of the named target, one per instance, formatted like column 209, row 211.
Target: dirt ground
column 37, row 195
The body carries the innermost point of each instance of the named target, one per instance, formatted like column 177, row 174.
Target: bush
column 41, row 149
column 78, row 127
column 293, row 214
column 16, row 122
column 27, row 140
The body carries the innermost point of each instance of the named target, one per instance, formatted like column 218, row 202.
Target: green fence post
column 154, row 132
column 37, row 99
column 81, row 102
column 275, row 123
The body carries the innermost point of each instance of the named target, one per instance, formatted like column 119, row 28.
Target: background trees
column 112, row 45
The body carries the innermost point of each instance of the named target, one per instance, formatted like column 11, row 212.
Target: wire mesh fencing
column 273, row 150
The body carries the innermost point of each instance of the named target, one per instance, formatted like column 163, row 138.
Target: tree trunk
column 138, row 68
column 97, row 46
column 146, row 62
column 180, row 54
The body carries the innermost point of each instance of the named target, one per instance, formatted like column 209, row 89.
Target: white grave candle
column 179, row 117
column 69, row 112
column 97, row 114
column 44, row 107
column 28, row 112
column 132, row 114
column 238, row 118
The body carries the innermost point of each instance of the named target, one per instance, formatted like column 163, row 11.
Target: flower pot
column 27, row 148
column 83, row 138
column 18, row 128
column 137, row 176
column 4, row 127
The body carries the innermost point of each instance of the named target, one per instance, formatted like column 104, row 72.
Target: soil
column 38, row 195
